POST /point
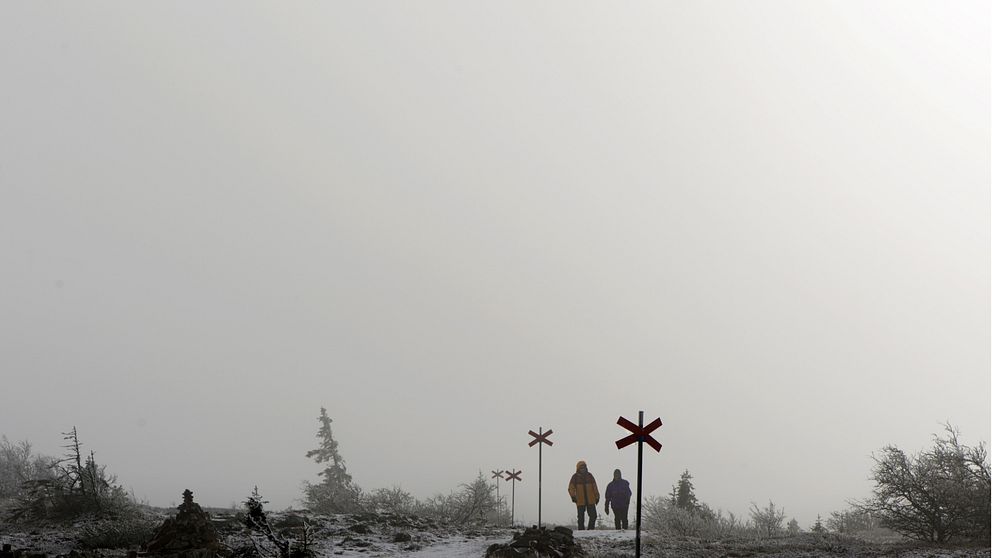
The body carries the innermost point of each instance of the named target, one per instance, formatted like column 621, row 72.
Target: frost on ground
column 396, row 535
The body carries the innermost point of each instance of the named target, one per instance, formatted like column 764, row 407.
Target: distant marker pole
column 640, row 434
column 540, row 439
column 497, row 475
column 513, row 477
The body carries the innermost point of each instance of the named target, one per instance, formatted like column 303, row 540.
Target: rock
column 402, row 537
column 539, row 542
column 360, row 528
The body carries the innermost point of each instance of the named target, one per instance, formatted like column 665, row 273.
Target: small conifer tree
column 683, row 493
column 818, row 526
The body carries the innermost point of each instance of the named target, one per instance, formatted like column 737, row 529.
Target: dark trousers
column 620, row 516
column 592, row 516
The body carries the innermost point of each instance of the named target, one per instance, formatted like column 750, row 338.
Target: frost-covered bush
column 473, row 503
column 74, row 486
column 851, row 520
column 662, row 516
column 767, row 520
column 683, row 515
column 125, row 532
column 19, row 464
column 394, row 500
column 939, row 494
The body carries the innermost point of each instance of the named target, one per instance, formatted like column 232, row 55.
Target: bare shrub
column 394, row 500
column 654, row 508
column 73, row 487
column 767, row 520
column 853, row 520
column 939, row 494
column 19, row 464
column 127, row 532
column 662, row 516
column 684, row 523
column 474, row 503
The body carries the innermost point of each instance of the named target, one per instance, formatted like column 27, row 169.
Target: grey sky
column 448, row 222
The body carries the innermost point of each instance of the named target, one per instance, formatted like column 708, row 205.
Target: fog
column 449, row 223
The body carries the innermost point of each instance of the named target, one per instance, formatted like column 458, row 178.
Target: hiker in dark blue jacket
column 618, row 496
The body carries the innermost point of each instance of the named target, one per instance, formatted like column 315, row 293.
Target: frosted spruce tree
column 684, row 494
column 336, row 493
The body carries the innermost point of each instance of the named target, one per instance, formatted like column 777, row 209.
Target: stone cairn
column 538, row 543
column 189, row 534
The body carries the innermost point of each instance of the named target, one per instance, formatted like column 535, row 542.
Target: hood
column 580, row 465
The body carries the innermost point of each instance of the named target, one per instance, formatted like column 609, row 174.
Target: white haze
column 766, row 223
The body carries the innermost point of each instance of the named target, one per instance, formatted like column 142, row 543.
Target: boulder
column 539, row 543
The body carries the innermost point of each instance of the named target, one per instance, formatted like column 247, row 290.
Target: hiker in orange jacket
column 585, row 494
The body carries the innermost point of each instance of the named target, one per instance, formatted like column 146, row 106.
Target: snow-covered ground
column 457, row 549
column 458, row 546
column 392, row 535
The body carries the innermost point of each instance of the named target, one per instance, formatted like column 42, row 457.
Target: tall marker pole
column 513, row 477
column 540, row 439
column 497, row 475
column 640, row 434
column 640, row 462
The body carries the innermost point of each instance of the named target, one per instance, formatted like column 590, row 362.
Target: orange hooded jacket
column 582, row 488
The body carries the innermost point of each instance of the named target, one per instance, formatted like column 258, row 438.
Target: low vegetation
column 123, row 532
column 63, row 489
column 940, row 494
column 269, row 542
column 471, row 502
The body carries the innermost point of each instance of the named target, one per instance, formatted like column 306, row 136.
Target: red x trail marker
column 513, row 477
column 642, row 435
column 540, row 438
column 639, row 434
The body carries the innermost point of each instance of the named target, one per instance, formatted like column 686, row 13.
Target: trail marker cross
column 540, row 438
column 513, row 477
column 639, row 434
column 642, row 435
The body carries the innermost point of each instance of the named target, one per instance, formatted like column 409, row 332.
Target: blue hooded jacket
column 618, row 493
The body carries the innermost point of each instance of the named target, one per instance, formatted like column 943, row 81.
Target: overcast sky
column 766, row 223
